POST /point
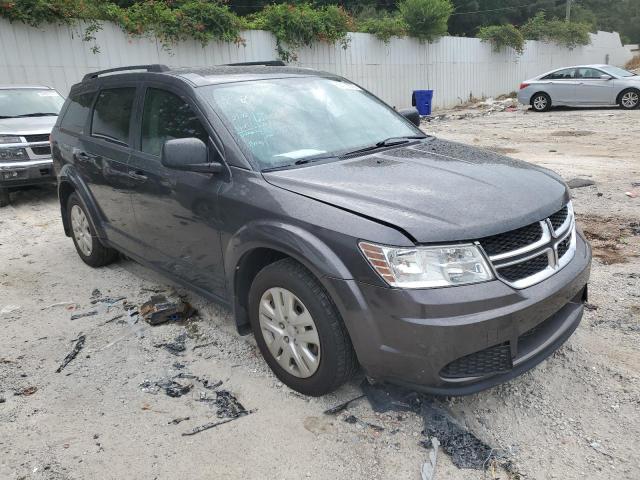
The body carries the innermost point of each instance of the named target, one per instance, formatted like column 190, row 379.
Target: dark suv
column 336, row 230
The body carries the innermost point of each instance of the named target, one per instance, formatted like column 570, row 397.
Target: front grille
column 558, row 218
column 513, row 240
column 525, row 269
column 45, row 150
column 563, row 246
column 40, row 137
column 489, row 361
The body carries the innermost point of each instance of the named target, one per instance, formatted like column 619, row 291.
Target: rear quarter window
column 75, row 117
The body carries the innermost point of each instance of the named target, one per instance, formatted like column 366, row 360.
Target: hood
column 434, row 191
column 27, row 125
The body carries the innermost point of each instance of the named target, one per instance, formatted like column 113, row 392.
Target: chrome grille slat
column 524, row 265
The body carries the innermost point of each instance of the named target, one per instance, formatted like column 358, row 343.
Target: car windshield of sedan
column 29, row 102
column 618, row 72
column 287, row 120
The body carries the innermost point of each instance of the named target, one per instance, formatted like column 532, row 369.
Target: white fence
column 455, row 68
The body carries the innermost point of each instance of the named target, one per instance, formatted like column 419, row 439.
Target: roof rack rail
column 266, row 63
column 149, row 68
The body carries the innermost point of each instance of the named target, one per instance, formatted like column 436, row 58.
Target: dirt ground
column 575, row 416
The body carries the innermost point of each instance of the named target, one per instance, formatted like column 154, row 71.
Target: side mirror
column 411, row 114
column 604, row 76
column 188, row 154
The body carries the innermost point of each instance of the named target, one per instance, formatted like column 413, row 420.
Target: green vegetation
column 501, row 36
column 567, row 34
column 425, row 19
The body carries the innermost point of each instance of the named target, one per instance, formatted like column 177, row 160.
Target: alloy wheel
column 290, row 332
column 81, row 230
column 540, row 102
column 630, row 99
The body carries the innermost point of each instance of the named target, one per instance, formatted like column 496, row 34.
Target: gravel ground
column 575, row 416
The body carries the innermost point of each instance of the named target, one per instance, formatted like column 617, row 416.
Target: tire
column 4, row 197
column 541, row 102
column 335, row 359
column 88, row 246
column 629, row 99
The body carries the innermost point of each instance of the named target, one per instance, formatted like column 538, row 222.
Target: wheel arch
column 537, row 93
column 259, row 244
column 69, row 182
column 621, row 92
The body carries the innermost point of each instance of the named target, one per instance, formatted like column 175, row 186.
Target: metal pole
column 568, row 12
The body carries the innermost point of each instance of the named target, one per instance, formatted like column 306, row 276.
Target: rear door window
column 566, row 74
column 589, row 73
column 112, row 114
column 75, row 118
column 165, row 117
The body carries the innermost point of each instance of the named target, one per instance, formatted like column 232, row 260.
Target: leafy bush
column 295, row 26
column 426, row 19
column 384, row 26
column 566, row 34
column 198, row 19
column 501, row 36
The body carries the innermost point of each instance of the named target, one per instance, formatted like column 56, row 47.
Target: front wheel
column 629, row 99
column 541, row 102
column 298, row 329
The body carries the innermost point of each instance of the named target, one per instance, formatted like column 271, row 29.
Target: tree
column 426, row 19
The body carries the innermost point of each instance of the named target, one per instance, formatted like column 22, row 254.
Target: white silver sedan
column 582, row 86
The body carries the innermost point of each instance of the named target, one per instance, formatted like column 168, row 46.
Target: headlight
column 13, row 154
column 9, row 139
column 427, row 267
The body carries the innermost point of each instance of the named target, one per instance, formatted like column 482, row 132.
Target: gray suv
column 27, row 115
column 338, row 232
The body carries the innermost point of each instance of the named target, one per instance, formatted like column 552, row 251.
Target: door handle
column 138, row 175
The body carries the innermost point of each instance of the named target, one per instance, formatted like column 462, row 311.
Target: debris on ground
column 108, row 300
column 176, row 421
column 171, row 387
column 160, row 310
column 26, row 391
column 342, row 406
column 580, row 182
column 429, row 467
column 353, row 420
column 608, row 237
column 177, row 346
column 631, row 194
column 79, row 345
column 117, row 317
column 2, row 399
column 8, row 309
column 590, row 306
column 61, row 304
column 228, row 408
column 91, row 313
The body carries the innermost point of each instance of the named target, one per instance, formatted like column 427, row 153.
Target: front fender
column 69, row 177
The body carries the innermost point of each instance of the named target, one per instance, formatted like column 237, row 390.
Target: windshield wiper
column 37, row 114
column 387, row 142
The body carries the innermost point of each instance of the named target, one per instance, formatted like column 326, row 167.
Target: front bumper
column 409, row 336
column 18, row 174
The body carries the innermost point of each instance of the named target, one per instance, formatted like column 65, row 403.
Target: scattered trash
column 160, row 310
column 352, row 419
column 228, row 408
column 114, row 318
column 108, row 300
column 96, row 293
column 631, row 194
column 176, row 421
column 206, row 426
column 7, row 309
column 73, row 353
column 429, row 468
column 85, row 314
column 177, row 346
column 202, row 345
column 170, row 387
column 59, row 304
column 390, row 397
column 342, row 406
column 26, row 391
column 2, row 399
column 580, row 183
column 590, row 306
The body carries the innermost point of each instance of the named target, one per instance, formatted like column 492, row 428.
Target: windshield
column 618, row 72
column 29, row 102
column 281, row 121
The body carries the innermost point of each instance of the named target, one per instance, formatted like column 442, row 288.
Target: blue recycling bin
column 421, row 99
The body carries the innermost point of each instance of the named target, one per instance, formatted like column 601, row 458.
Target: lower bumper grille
column 485, row 362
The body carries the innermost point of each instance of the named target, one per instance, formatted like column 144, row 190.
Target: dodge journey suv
column 338, row 232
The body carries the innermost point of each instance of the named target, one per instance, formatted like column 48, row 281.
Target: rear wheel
column 299, row 330
column 4, row 197
column 629, row 98
column 91, row 251
column 541, row 102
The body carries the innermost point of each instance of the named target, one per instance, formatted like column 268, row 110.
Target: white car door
column 592, row 89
